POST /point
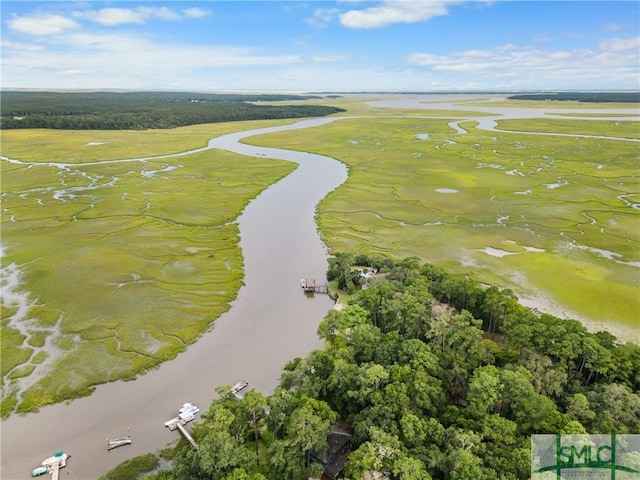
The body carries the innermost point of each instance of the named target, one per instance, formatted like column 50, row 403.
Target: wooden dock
column 188, row 412
column 309, row 286
column 187, row 437
column 54, row 468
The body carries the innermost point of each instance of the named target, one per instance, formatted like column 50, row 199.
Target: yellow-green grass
column 610, row 128
column 78, row 146
column 563, row 196
column 123, row 269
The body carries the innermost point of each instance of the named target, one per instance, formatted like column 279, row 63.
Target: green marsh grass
column 607, row 128
column 123, row 267
column 450, row 197
column 74, row 146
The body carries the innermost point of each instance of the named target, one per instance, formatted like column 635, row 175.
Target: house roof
column 334, row 458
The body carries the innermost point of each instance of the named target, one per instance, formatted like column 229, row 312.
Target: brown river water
column 270, row 323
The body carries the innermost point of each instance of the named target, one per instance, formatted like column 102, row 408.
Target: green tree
column 617, row 409
column 219, row 452
column 578, row 409
column 253, row 407
column 378, row 454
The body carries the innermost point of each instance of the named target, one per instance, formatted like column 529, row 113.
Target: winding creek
column 270, row 322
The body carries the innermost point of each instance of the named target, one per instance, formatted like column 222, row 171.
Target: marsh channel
column 271, row 322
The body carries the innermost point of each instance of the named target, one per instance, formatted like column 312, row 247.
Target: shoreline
column 623, row 333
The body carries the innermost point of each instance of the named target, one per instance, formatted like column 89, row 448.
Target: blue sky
column 435, row 45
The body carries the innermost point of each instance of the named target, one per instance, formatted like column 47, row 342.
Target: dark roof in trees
column 334, row 458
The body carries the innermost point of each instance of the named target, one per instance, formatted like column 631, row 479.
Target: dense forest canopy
column 605, row 97
column 142, row 110
column 434, row 377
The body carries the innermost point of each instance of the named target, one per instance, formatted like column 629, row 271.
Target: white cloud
column 530, row 67
column 195, row 12
column 322, row 17
column 163, row 13
column 98, row 58
column 113, row 16
column 395, row 11
column 621, row 44
column 20, row 47
column 41, row 24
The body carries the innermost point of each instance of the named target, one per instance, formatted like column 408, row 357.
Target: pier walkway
column 187, row 437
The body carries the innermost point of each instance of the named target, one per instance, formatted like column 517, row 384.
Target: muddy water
column 270, row 323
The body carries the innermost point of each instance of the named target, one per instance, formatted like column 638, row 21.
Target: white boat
column 60, row 459
column 36, row 472
column 187, row 412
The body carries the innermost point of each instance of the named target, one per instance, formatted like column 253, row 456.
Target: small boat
column 187, row 413
column 60, row 459
column 51, row 464
column 36, row 472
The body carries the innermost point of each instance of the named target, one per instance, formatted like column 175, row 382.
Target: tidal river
column 270, row 323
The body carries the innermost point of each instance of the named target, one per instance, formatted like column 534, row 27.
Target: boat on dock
column 59, row 459
column 51, row 465
column 187, row 413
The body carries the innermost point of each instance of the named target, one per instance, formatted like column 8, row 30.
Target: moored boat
column 187, row 413
column 60, row 459
column 36, row 472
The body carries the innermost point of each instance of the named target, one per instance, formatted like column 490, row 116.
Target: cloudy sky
column 435, row 45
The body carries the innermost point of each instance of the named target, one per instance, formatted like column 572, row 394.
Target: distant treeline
column 623, row 97
column 142, row 110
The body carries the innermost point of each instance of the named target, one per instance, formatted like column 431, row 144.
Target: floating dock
column 241, row 385
column 119, row 442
